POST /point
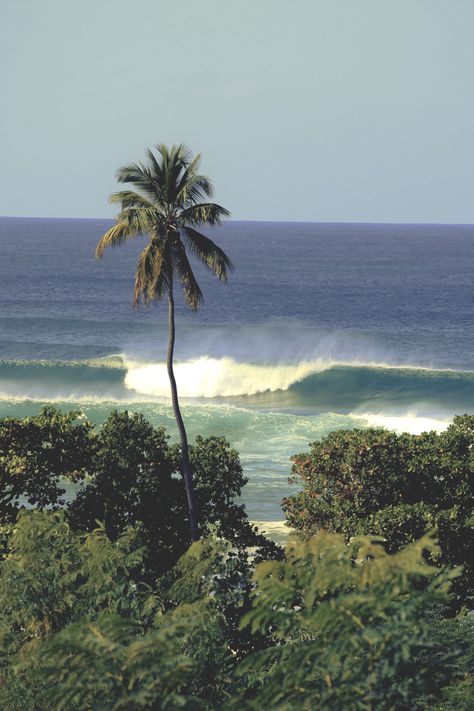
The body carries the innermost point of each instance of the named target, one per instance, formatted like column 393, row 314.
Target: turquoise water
column 320, row 327
column 265, row 426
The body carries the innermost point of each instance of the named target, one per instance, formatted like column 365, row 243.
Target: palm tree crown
column 171, row 199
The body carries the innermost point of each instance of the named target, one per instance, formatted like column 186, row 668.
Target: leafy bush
column 350, row 626
column 136, row 480
column 36, row 453
column 126, row 614
column 455, row 634
column 118, row 665
column 334, row 627
column 219, row 480
column 53, row 576
column 129, row 475
column 398, row 486
column 78, row 631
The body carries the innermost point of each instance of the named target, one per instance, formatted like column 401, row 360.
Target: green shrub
column 336, row 627
column 36, row 453
column 128, row 615
column 133, row 481
column 350, row 626
column 136, row 480
column 398, row 486
column 78, row 631
column 50, row 577
column 128, row 475
column 456, row 634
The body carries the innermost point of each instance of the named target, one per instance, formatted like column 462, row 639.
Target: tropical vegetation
column 106, row 603
column 127, row 473
column 401, row 487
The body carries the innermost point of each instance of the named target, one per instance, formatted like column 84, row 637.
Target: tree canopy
column 396, row 486
column 106, row 604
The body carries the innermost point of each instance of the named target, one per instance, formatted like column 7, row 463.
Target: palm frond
column 191, row 290
column 138, row 211
column 176, row 167
column 173, row 162
column 144, row 220
column 179, row 151
column 129, row 198
column 209, row 253
column 152, row 278
column 193, row 189
column 204, row 213
column 167, row 197
column 118, row 234
column 140, row 175
column 156, row 169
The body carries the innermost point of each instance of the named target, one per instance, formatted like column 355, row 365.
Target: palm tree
column 171, row 199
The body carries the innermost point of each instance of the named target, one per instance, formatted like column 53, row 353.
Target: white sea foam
column 213, row 377
column 275, row 530
column 121, row 379
column 409, row 422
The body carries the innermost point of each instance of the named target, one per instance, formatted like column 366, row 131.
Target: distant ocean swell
column 317, row 384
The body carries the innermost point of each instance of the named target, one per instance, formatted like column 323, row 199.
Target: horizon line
column 264, row 221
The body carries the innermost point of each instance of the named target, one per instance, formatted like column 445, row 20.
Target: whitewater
column 321, row 327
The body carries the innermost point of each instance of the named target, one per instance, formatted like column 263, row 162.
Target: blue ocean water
column 320, row 326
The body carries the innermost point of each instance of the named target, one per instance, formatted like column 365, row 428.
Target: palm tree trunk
column 186, row 466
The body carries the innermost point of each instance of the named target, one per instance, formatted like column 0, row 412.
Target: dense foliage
column 333, row 626
column 127, row 473
column 104, row 604
column 37, row 454
column 136, row 480
column 350, row 626
column 397, row 486
column 78, row 631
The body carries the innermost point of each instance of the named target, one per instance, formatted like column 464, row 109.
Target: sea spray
column 217, row 377
column 307, row 386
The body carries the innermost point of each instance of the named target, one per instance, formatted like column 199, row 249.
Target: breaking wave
column 327, row 386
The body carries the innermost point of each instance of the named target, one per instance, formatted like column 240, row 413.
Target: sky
column 329, row 110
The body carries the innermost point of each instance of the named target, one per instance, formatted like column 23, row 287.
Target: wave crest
column 217, row 377
column 313, row 385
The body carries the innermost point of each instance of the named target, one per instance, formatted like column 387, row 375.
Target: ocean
column 321, row 326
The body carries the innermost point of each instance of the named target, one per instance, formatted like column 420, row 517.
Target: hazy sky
column 303, row 109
